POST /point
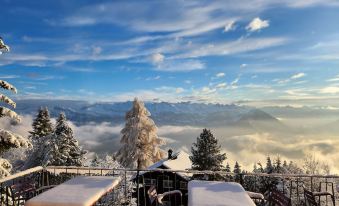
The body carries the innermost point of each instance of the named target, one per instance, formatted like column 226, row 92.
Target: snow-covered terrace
column 45, row 178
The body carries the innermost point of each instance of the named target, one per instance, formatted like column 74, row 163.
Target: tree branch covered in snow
column 5, row 112
column 7, row 100
column 5, row 167
column 3, row 46
column 7, row 86
column 8, row 139
column 11, row 140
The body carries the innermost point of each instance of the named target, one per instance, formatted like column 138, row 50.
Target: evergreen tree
column 285, row 164
column 278, row 168
column 228, row 168
column 260, row 169
column 269, row 167
column 139, row 138
column 65, row 149
column 8, row 139
column 41, row 136
column 237, row 168
column 237, row 171
column 255, row 169
column 206, row 154
column 42, row 125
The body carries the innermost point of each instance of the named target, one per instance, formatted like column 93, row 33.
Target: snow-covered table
column 208, row 193
column 79, row 191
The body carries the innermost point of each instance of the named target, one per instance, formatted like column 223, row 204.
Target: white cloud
column 221, row 85
column 157, row 58
column 96, row 50
column 298, row 76
column 335, row 79
column 257, row 24
column 235, row 82
column 153, row 78
column 229, row 26
column 179, row 90
column 291, row 78
column 221, row 74
column 243, row 65
column 9, row 77
column 180, row 65
column 208, row 90
column 330, row 90
column 241, row 45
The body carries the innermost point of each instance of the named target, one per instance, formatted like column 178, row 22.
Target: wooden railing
column 289, row 184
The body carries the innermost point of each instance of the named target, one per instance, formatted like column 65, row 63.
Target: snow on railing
column 93, row 169
column 21, row 174
column 289, row 184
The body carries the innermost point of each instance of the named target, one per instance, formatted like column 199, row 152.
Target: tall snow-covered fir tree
column 139, row 138
column 64, row 147
column 8, row 139
column 42, row 125
column 206, row 152
column 40, row 136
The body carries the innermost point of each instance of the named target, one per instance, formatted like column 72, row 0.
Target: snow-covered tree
column 139, row 138
column 42, row 125
column 277, row 166
column 227, row 168
column 107, row 161
column 65, row 149
column 269, row 167
column 8, row 139
column 237, row 168
column 41, row 136
column 206, row 152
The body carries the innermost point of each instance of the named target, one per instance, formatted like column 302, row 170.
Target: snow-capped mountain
column 163, row 113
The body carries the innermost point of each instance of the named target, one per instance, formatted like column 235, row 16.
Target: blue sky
column 258, row 52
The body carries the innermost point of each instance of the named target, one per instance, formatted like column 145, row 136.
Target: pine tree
column 42, row 125
column 139, row 138
column 237, row 168
column 41, row 137
column 269, row 167
column 206, row 152
column 8, row 139
column 237, row 171
column 278, row 168
column 260, row 169
column 228, row 168
column 285, row 164
column 65, row 149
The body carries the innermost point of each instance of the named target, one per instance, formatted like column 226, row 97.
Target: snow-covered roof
column 180, row 161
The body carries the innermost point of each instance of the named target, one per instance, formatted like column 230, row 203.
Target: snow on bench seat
column 79, row 191
column 214, row 193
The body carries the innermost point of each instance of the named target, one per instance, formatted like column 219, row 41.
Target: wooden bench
column 277, row 198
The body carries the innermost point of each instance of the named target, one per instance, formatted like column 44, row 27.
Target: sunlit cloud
column 257, row 24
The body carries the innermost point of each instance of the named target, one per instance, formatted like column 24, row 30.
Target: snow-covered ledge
column 21, row 174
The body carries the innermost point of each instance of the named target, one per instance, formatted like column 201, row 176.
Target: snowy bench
column 213, row 193
column 79, row 191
